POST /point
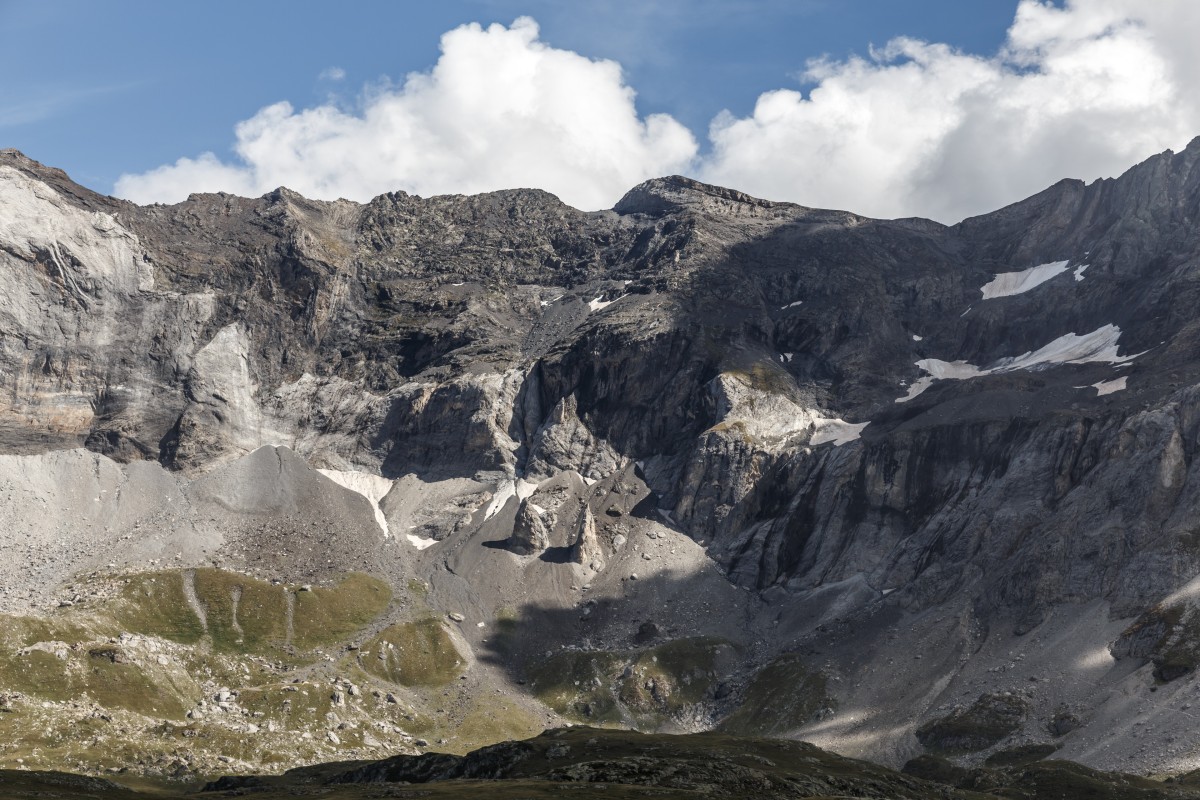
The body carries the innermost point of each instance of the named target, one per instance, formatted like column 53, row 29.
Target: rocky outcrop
column 586, row 551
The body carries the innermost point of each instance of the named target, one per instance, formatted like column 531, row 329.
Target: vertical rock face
column 821, row 400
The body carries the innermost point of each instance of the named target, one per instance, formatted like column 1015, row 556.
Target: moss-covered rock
column 419, row 653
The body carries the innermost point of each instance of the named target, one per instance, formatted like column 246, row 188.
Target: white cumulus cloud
column 1082, row 89
column 499, row 110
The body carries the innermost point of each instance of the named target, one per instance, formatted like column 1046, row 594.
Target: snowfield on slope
column 1007, row 284
column 599, row 305
column 1098, row 346
column 837, row 431
column 1108, row 387
column 372, row 487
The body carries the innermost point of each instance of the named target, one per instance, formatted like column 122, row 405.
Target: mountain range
column 290, row 481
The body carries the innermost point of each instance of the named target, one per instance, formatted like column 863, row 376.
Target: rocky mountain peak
column 14, row 157
column 57, row 179
column 11, row 154
column 660, row 196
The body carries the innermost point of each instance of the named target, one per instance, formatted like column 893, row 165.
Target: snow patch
column 1098, row 346
column 917, row 338
column 372, row 487
column 785, row 357
column 837, row 431
column 600, row 305
column 504, row 491
column 552, row 300
column 1007, row 284
column 1079, row 271
column 791, row 305
column 419, row 542
column 1108, row 387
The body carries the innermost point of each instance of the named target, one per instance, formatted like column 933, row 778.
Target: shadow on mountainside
column 641, row 651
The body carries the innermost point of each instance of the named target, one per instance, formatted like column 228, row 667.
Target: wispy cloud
column 632, row 31
column 37, row 104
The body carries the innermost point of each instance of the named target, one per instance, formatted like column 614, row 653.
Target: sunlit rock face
column 859, row 440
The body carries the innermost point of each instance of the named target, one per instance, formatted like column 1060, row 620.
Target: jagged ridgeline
column 288, row 481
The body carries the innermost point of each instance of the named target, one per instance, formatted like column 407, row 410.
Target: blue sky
column 124, row 87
